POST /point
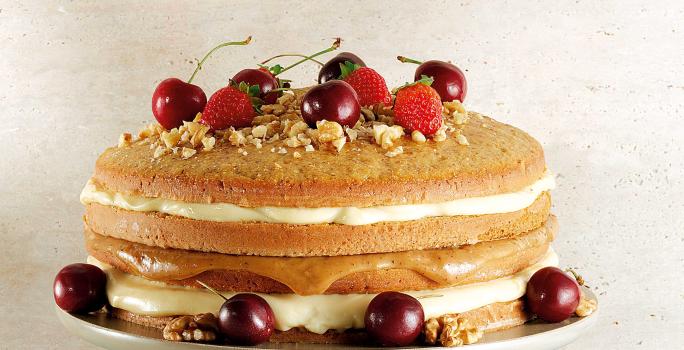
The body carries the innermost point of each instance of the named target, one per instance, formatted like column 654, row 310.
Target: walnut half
column 198, row 328
column 450, row 331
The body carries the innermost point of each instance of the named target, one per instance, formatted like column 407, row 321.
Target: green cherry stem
column 408, row 60
column 201, row 62
column 211, row 289
column 291, row 55
column 334, row 47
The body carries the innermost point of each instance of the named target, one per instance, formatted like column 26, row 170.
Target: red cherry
column 394, row 319
column 331, row 70
column 261, row 77
column 334, row 100
column 80, row 288
column 552, row 294
column 175, row 101
column 449, row 80
column 246, row 319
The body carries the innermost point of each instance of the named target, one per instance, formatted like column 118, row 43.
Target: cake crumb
column 296, row 154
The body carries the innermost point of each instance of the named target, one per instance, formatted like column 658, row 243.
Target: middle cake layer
column 270, row 239
column 366, row 273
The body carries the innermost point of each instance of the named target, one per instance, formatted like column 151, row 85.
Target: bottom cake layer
column 488, row 318
column 314, row 313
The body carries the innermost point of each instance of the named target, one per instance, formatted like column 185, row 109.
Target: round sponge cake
column 499, row 159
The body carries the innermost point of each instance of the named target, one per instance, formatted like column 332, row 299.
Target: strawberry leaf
column 424, row 79
column 347, row 68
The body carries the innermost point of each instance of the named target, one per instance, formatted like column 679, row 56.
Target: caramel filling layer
column 314, row 275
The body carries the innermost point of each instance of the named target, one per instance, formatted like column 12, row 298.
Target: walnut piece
column 586, row 307
column 125, row 140
column 199, row 328
column 450, row 331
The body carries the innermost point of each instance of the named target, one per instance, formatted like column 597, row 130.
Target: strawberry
column 233, row 105
column 417, row 106
column 368, row 84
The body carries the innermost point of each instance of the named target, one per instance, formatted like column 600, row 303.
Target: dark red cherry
column 80, row 288
column 331, row 70
column 334, row 100
column 175, row 101
column 394, row 319
column 246, row 319
column 552, row 294
column 449, row 81
column 264, row 79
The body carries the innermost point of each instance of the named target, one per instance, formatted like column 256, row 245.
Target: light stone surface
column 599, row 83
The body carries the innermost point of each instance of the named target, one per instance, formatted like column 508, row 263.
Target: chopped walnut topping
column 187, row 152
column 259, row 131
column 125, row 140
column 395, row 152
column 440, row 135
column 160, row 151
column 450, row 331
column 462, row 140
column 171, row 138
column 339, row 143
column 418, row 136
column 199, row 328
column 353, row 134
column 280, row 127
column 237, row 138
column 208, row 143
column 293, row 142
column 586, row 307
column 386, row 135
column 329, row 131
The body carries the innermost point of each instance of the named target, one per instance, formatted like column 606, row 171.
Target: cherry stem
column 408, row 60
column 201, row 62
column 291, row 55
column 211, row 289
column 334, row 47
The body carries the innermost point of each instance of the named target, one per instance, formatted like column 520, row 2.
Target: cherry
column 266, row 77
column 331, row 70
column 246, row 319
column 261, row 77
column 449, row 80
column 394, row 319
column 552, row 294
column 175, row 101
column 80, row 288
column 334, row 100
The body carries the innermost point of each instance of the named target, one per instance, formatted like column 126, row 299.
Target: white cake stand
column 114, row 334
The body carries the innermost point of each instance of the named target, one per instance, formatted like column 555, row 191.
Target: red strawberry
column 417, row 106
column 231, row 106
column 368, row 84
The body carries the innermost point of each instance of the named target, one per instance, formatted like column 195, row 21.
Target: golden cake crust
column 268, row 239
column 500, row 158
column 491, row 318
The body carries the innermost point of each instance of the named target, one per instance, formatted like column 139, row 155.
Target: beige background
column 600, row 84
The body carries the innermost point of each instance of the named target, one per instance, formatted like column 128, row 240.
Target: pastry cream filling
column 316, row 313
column 222, row 212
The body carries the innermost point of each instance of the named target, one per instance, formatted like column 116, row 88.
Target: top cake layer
column 497, row 158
